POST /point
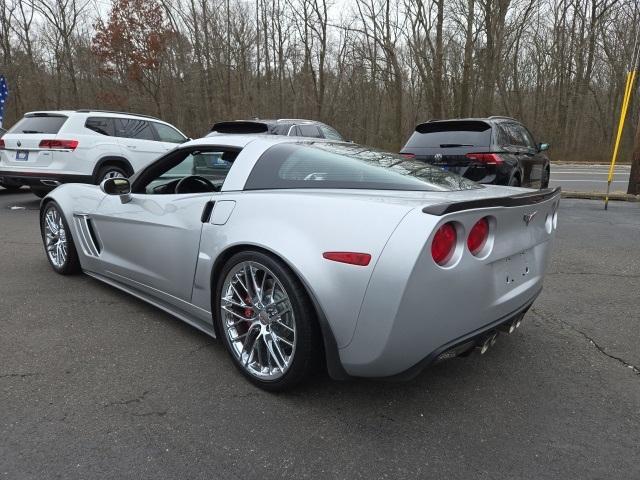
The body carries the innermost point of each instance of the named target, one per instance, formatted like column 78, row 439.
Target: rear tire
column 39, row 191
column 58, row 241
column 268, row 325
column 10, row 187
column 110, row 171
column 514, row 181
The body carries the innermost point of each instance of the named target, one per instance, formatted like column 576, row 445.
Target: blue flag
column 4, row 93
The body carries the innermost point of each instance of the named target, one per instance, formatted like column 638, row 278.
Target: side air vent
column 87, row 237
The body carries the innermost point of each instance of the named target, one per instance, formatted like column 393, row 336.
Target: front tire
column 58, row 242
column 544, row 183
column 266, row 320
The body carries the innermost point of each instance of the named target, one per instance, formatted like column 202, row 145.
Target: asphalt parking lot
column 589, row 178
column 96, row 384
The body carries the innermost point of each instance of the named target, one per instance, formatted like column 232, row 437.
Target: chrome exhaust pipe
column 488, row 341
column 50, row 183
column 508, row 327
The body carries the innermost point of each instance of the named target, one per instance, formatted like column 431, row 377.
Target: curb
column 623, row 197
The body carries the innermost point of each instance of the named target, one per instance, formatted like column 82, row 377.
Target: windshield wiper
column 452, row 145
column 31, row 131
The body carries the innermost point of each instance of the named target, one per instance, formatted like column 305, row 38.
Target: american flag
column 4, row 93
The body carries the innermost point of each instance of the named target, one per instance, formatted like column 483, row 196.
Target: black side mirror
column 117, row 186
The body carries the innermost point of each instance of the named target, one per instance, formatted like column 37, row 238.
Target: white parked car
column 46, row 149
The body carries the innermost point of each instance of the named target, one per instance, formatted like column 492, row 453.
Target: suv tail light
column 478, row 236
column 62, row 144
column 488, row 158
column 1, row 144
column 444, row 243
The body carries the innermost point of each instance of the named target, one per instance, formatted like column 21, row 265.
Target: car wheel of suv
column 514, row 181
column 58, row 242
column 110, row 171
column 10, row 187
column 266, row 321
column 40, row 192
column 544, row 183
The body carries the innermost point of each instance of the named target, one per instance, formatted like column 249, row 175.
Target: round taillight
column 478, row 235
column 444, row 244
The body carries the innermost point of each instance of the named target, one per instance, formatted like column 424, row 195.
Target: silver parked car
column 295, row 251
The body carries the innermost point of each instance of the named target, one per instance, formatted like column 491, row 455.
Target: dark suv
column 497, row 150
column 294, row 127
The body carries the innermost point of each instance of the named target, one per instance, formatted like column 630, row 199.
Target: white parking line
column 588, row 181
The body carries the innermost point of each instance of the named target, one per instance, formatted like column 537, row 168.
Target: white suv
column 45, row 149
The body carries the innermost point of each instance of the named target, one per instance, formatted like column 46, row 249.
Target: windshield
column 348, row 166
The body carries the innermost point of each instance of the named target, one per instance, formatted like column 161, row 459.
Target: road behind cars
column 96, row 384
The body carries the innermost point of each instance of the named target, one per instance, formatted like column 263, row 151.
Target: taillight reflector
column 444, row 243
column 409, row 155
column 62, row 144
column 1, row 144
column 352, row 258
column 478, row 236
column 489, row 158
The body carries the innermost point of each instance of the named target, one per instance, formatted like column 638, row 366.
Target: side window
column 330, row 133
column 168, row 134
column 101, row 125
column 527, row 137
column 517, row 136
column 132, row 128
column 502, row 135
column 214, row 165
column 309, row 131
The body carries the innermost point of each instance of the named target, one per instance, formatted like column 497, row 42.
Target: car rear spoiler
column 519, row 200
column 240, row 126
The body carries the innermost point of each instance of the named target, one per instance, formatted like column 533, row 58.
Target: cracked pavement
column 96, row 384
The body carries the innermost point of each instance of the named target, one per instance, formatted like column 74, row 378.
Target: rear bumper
column 43, row 178
column 465, row 343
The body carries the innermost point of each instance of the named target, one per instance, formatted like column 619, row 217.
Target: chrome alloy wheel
column 258, row 319
column 111, row 174
column 55, row 237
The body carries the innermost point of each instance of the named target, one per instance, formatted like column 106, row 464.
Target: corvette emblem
column 528, row 217
column 437, row 157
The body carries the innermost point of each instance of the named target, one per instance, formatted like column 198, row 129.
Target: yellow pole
column 631, row 77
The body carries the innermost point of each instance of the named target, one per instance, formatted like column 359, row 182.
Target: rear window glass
column 39, row 124
column 349, row 166
column 451, row 134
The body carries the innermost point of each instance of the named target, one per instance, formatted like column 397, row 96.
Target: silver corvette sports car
column 297, row 252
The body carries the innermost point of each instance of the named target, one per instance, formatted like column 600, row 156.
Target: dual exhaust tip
column 490, row 339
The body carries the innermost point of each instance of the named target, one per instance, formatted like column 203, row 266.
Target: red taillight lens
column 478, row 236
column 490, row 158
column 352, row 258
column 409, row 155
column 444, row 243
column 62, row 144
column 1, row 144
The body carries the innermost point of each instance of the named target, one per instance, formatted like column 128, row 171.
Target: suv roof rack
column 90, row 110
column 501, row 117
column 296, row 120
